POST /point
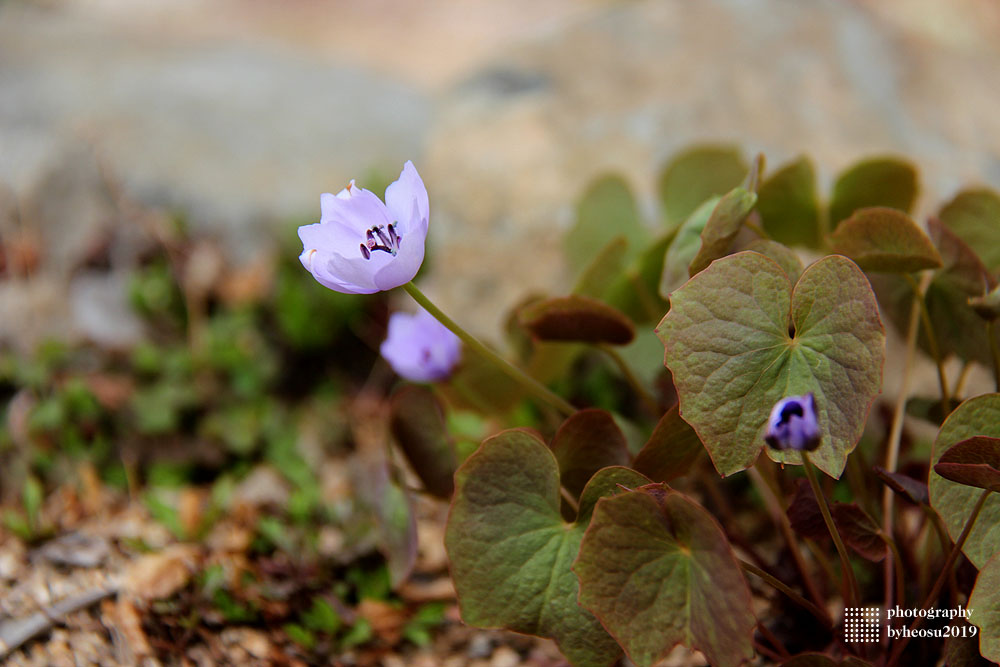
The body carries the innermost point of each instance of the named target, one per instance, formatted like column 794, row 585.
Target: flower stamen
column 390, row 240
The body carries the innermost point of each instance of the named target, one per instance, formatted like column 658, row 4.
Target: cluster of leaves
column 590, row 531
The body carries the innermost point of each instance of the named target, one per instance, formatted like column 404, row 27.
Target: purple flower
column 793, row 425
column 419, row 348
column 360, row 245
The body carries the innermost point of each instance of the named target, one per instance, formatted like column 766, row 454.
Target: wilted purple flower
column 360, row 245
column 793, row 425
column 419, row 348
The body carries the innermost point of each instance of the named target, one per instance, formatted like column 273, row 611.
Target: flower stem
column 845, row 561
column 956, row 550
column 533, row 386
column 780, row 518
column 896, row 433
column 634, row 382
column 932, row 343
column 787, row 590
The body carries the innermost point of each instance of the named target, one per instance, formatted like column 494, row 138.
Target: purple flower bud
column 360, row 245
column 793, row 425
column 419, row 348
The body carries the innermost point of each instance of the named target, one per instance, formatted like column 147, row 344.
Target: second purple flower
column 419, row 348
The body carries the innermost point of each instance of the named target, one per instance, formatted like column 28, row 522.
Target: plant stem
column 845, row 561
column 781, row 519
column 932, row 343
column 647, row 399
column 897, row 650
column 787, row 590
column 782, row 652
column 533, row 386
column 896, row 433
column 891, row 543
column 963, row 375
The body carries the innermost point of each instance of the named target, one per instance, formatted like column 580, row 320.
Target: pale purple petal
column 360, row 211
column 419, row 348
column 404, row 266
column 407, row 202
column 337, row 252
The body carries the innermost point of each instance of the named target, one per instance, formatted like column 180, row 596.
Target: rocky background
column 240, row 112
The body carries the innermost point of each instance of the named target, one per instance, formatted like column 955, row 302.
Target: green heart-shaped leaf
column 873, row 182
column 634, row 291
column 697, row 174
column 786, row 258
column 973, row 462
column 974, row 215
column 884, row 239
column 954, row 501
column 511, row 551
column 788, row 206
column 684, row 247
column 606, row 210
column 984, row 608
column 657, row 570
column 606, row 265
column 738, row 339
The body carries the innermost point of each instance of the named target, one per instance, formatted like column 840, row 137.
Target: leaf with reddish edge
column 958, row 328
column 974, row 462
column 577, row 319
column 510, row 551
column 738, row 339
column 657, row 570
column 788, row 206
column 885, row 240
column 786, row 258
column 671, row 451
column 416, row 419
column 974, row 215
column 984, row 608
column 683, row 248
column 859, row 531
column 954, row 501
column 913, row 489
column 961, row 649
column 856, row 527
column 586, row 442
column 722, row 227
column 873, row 182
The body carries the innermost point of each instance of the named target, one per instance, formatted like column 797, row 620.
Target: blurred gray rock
column 241, row 116
column 627, row 87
